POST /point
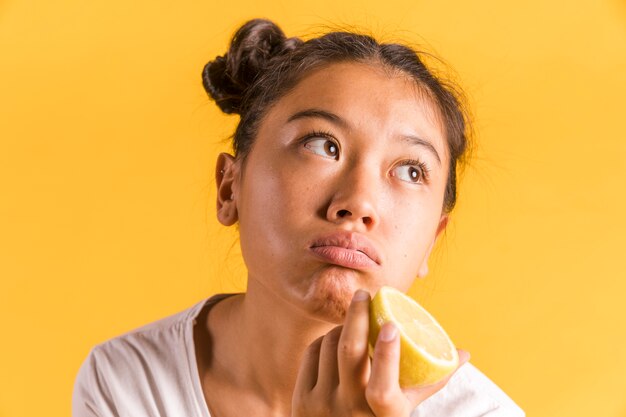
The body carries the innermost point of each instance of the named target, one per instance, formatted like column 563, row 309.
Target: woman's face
column 343, row 189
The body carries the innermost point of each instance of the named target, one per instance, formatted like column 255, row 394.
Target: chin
column 331, row 293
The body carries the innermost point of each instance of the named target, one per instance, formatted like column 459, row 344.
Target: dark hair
column 262, row 65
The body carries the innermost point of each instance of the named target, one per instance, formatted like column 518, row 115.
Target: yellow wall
column 107, row 219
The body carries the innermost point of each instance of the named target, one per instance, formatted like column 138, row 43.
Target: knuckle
column 385, row 353
column 351, row 349
column 379, row 398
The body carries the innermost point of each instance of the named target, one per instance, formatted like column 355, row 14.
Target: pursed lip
column 348, row 249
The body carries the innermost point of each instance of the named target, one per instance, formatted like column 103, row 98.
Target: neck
column 258, row 344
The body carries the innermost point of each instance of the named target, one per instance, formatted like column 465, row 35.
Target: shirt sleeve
column 91, row 397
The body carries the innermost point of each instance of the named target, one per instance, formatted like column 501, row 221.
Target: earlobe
column 226, row 179
column 423, row 270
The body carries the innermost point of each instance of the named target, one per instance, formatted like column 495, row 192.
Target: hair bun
column 227, row 77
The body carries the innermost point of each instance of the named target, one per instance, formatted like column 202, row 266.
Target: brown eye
column 330, row 148
column 409, row 173
column 323, row 147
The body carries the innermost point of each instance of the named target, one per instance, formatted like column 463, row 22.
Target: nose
column 355, row 200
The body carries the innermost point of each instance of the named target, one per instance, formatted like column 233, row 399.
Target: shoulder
column 469, row 393
column 146, row 347
column 129, row 371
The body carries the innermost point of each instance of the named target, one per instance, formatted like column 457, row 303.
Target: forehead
column 369, row 97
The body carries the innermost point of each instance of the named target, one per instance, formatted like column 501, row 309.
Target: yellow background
column 107, row 218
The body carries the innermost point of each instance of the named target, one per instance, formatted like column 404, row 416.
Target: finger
column 327, row 374
column 307, row 373
column 352, row 353
column 464, row 356
column 383, row 393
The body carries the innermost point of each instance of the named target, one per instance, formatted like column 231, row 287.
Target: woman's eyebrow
column 425, row 143
column 318, row 113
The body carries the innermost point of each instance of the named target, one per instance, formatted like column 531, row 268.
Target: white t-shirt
column 152, row 371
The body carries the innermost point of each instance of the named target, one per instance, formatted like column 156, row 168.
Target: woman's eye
column 410, row 173
column 324, row 147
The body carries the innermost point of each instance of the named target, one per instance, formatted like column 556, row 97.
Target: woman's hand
column 336, row 377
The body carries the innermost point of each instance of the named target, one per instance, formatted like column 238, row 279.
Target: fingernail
column 360, row 295
column 388, row 332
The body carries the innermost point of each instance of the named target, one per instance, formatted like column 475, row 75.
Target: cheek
column 410, row 232
column 274, row 204
column 276, row 195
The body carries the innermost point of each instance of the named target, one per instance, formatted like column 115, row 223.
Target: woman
column 343, row 177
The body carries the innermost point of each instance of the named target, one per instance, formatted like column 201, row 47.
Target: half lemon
column 427, row 355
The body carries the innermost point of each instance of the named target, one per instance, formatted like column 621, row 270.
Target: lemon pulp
column 427, row 354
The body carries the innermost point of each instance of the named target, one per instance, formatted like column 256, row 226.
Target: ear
column 227, row 181
column 443, row 222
